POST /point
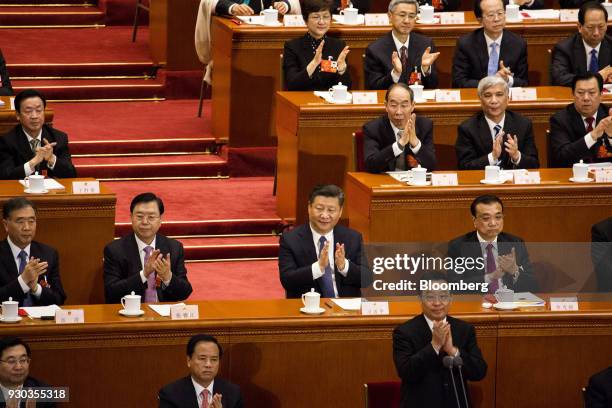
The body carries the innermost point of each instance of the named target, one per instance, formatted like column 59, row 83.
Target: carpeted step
column 210, row 227
column 32, row 16
column 81, row 70
column 95, row 89
column 97, row 147
column 47, row 2
column 250, row 247
column 197, row 165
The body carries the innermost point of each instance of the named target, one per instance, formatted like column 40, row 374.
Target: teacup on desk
column 270, row 16
column 339, row 93
column 512, row 12
column 419, row 175
column 417, row 91
column 504, row 295
column 580, row 170
column 427, row 13
column 350, row 15
column 608, row 7
column 311, row 301
column 492, row 173
column 35, row 183
column 10, row 309
column 131, row 303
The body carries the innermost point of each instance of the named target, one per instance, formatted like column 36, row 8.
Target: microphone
column 448, row 362
column 459, row 363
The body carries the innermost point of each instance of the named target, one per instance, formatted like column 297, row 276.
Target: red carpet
column 231, row 247
column 36, row 15
column 235, row 280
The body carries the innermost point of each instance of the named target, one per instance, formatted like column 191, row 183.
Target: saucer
column 15, row 320
column 586, row 180
column 28, row 191
column 123, row 312
column 317, row 311
column 349, row 99
column 505, row 306
column 498, row 181
column 412, row 183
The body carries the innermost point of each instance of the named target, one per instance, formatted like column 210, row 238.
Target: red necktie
column 589, row 122
column 404, row 58
column 204, row 399
column 491, row 267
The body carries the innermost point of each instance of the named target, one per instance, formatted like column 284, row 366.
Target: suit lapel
column 388, row 49
column 23, row 146
column 483, row 52
column 389, row 138
column 580, row 58
column 484, row 134
column 309, row 249
column 6, row 256
column 604, row 52
column 131, row 250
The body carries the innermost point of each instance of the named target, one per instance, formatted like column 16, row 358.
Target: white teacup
column 608, row 7
column 131, row 303
column 270, row 16
column 504, row 295
column 492, row 173
column 36, row 183
column 427, row 12
column 338, row 92
column 512, row 12
column 419, row 175
column 581, row 170
column 311, row 301
column 350, row 15
column 10, row 309
column 417, row 91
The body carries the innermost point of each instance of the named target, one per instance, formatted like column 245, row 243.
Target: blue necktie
column 327, row 285
column 594, row 64
column 23, row 261
column 496, row 128
column 493, row 60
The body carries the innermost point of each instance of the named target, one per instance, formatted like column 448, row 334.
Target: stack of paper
column 348, row 304
column 36, row 312
column 164, row 310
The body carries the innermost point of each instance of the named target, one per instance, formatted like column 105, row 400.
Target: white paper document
column 544, row 14
column 348, row 304
column 36, row 312
column 164, row 310
column 50, row 184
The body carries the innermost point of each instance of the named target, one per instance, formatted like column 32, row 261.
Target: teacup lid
column 581, row 164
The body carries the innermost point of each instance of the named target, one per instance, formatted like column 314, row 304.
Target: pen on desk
column 329, row 305
column 237, row 21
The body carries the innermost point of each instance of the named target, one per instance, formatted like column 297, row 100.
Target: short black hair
column 586, row 77
column 8, row 342
column 147, row 198
column 15, row 204
column 27, row 94
column 314, row 6
column 206, row 338
column 485, row 199
column 431, row 276
column 478, row 10
column 327, row 190
column 402, row 85
column 590, row 5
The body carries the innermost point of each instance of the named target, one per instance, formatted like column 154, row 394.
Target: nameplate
column 376, row 19
column 568, row 15
column 365, row 98
column 12, row 103
column 445, row 95
column 523, row 94
column 452, row 18
column 69, row 316
column 374, row 308
column 528, row 177
column 564, row 304
column 603, row 175
column 86, row 187
column 184, row 312
column 444, row 179
column 293, row 20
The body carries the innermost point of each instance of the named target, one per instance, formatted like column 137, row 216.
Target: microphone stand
column 448, row 362
column 459, row 363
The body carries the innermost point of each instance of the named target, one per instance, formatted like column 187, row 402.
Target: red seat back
column 384, row 394
column 358, row 156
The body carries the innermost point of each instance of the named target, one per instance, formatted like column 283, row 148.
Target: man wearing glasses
column 393, row 57
column 145, row 262
column 490, row 50
column 14, row 374
column 504, row 261
column 420, row 345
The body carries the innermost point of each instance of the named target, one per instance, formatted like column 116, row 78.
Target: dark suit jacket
column 122, row 268
column 471, row 58
column 601, row 253
column 378, row 66
column 474, row 143
column 297, row 55
column 297, row 254
column 569, row 59
column 379, row 139
column 447, row 5
column 567, row 137
column 573, row 3
column 425, row 381
column 9, row 285
column 6, row 88
column 30, row 383
column 181, row 394
column 599, row 391
column 468, row 246
column 222, row 7
column 15, row 151
column 537, row 4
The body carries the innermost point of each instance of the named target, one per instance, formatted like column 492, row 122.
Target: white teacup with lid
column 581, row 171
column 338, row 92
column 311, row 301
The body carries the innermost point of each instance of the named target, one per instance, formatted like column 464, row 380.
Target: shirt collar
column 594, row 116
column 430, row 322
column 316, row 236
column 395, row 129
column 489, row 41
column 142, row 245
column 493, row 124
column 588, row 48
column 30, row 137
column 398, row 43
column 484, row 241
column 16, row 250
column 199, row 388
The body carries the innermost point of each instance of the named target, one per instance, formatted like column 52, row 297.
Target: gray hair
column 491, row 81
column 394, row 3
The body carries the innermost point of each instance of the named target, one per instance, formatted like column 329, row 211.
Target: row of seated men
column 489, row 50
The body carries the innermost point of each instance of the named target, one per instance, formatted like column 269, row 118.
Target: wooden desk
column 272, row 351
column 555, row 211
column 78, row 226
column 315, row 143
column 8, row 120
column 247, row 67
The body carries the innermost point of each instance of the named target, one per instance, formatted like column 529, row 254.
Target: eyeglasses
column 439, row 298
column 493, row 15
column 403, row 16
column 487, row 218
column 149, row 218
column 14, row 361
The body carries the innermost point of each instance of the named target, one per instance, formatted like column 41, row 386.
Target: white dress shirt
column 199, row 389
column 490, row 41
column 316, row 270
column 26, row 167
column 24, row 286
column 588, row 49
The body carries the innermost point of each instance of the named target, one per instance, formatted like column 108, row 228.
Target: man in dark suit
column 421, row 344
column 583, row 129
column 15, row 358
column 321, row 254
column 33, row 146
column 393, row 57
column 145, row 262
column 501, row 259
column 490, row 50
column 399, row 140
column 589, row 50
column 5, row 81
column 496, row 136
column 202, row 388
column 599, row 390
column 250, row 7
column 29, row 270
column 601, row 254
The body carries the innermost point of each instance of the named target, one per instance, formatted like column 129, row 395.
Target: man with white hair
column 496, row 136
